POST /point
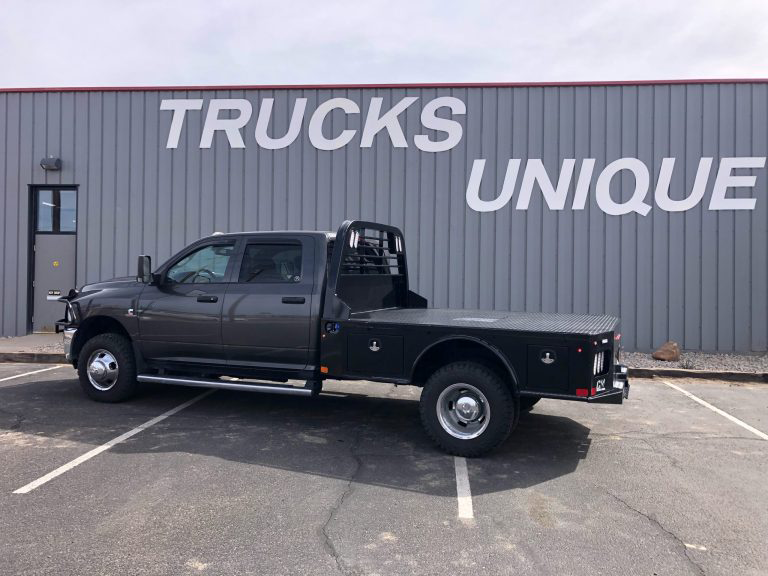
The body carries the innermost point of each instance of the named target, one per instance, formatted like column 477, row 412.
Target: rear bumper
column 615, row 394
column 620, row 390
column 611, row 397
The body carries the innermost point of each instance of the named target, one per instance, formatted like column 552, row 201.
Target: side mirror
column 144, row 269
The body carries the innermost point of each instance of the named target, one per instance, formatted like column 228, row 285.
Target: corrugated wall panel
column 699, row 276
column 692, row 240
column 4, row 157
column 759, row 239
column 726, row 251
column 742, row 257
column 25, row 172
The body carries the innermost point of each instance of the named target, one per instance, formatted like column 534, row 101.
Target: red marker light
column 617, row 337
column 578, row 350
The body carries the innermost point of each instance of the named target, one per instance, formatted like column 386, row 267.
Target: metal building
column 645, row 200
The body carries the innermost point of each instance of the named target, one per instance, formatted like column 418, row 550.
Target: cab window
column 206, row 265
column 270, row 263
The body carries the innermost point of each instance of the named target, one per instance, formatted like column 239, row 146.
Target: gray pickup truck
column 234, row 311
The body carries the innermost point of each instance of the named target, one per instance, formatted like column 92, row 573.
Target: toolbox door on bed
column 372, row 353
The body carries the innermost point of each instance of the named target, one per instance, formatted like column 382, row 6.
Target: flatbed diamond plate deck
column 582, row 324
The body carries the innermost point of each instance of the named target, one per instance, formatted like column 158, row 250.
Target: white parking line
column 98, row 450
column 30, row 373
column 463, row 491
column 722, row 413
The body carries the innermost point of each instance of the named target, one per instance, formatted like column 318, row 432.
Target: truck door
column 266, row 318
column 180, row 317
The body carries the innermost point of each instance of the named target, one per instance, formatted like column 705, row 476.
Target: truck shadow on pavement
column 375, row 440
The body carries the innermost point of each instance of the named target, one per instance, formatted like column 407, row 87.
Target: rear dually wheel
column 467, row 409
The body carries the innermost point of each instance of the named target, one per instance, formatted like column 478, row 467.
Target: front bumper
column 68, row 335
column 67, row 326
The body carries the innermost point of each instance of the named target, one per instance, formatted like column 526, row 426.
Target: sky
column 239, row 42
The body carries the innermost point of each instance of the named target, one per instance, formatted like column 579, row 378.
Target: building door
column 54, row 247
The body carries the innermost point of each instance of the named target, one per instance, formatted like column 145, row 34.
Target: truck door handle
column 207, row 298
column 294, row 300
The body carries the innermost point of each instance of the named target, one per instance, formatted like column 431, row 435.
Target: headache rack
column 368, row 270
column 373, row 252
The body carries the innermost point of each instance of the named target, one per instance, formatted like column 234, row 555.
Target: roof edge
column 196, row 88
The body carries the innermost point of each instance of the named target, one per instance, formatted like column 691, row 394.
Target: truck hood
column 120, row 282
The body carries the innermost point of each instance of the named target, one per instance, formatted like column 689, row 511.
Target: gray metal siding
column 699, row 277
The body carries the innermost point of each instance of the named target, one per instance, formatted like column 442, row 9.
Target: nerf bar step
column 223, row 384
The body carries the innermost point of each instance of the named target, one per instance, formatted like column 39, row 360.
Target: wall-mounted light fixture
column 50, row 163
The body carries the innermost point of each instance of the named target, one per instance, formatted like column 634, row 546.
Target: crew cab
column 253, row 311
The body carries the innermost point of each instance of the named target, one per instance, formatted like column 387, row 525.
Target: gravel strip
column 756, row 364
column 57, row 348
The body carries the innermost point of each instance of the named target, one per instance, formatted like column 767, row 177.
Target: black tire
column 106, row 350
column 527, row 403
column 503, row 408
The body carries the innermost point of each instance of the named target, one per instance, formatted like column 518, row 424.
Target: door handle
column 207, row 298
column 294, row 300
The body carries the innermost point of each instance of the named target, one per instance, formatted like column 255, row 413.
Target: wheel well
column 457, row 350
column 92, row 327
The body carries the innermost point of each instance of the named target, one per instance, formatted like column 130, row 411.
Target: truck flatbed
column 565, row 324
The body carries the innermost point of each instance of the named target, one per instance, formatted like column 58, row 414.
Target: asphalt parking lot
column 346, row 483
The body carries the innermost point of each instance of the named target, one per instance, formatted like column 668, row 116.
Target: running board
column 202, row 383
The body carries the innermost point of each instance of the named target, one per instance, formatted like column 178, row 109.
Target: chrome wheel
column 102, row 370
column 463, row 411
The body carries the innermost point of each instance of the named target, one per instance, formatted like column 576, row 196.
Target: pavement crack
column 656, row 450
column 341, row 565
column 652, row 519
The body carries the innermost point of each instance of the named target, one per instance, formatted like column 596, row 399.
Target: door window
column 206, row 265
column 56, row 211
column 67, row 211
column 271, row 263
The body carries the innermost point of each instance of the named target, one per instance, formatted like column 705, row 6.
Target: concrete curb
column 704, row 374
column 33, row 357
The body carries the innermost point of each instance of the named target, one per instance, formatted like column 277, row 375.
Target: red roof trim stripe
column 373, row 86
